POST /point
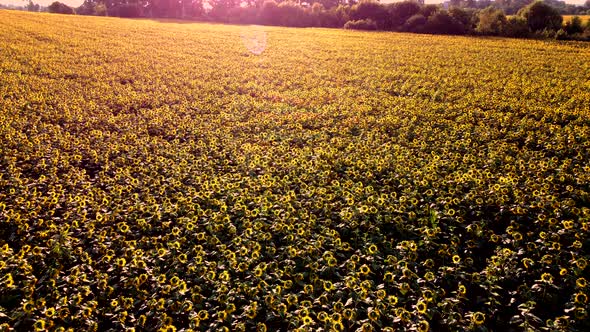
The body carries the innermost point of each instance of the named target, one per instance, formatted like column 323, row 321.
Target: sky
column 76, row 3
column 73, row 3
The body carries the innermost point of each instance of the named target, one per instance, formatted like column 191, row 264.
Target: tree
column 192, row 8
column 415, row 23
column 574, row 26
column 60, row 8
column 442, row 23
column 293, row 15
column 32, row 7
column 467, row 17
column 400, row 12
column 429, row 10
column 92, row 7
column 370, row 10
column 269, row 13
column 328, row 4
column 516, row 27
column 540, row 16
column 221, row 8
column 86, row 8
column 492, row 21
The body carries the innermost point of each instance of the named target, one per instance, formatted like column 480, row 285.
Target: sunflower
column 374, row 315
column 581, row 263
column 423, row 326
column 478, row 318
column 403, row 314
column 581, row 283
column 462, row 290
column 429, row 276
column 307, row 320
column 221, row 315
column 372, row 249
column 388, row 277
column 39, row 325
column 421, row 307
column 64, row 313
column 203, row 315
column 404, row 288
column 292, row 299
column 581, row 313
column 28, row 307
column 581, row 298
column 364, row 269
column 121, row 262
column 50, row 312
column 366, row 327
column 348, row 314
column 337, row 326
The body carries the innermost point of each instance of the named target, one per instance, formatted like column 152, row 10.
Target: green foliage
column 491, row 21
column 415, row 23
column 400, row 12
column 516, row 27
column 366, row 24
column 540, row 16
column 371, row 10
column 574, row 26
column 60, row 8
column 443, row 23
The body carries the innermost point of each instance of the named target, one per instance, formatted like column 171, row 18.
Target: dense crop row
column 163, row 176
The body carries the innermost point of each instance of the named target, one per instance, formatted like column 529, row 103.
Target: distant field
column 585, row 18
column 164, row 176
column 567, row 18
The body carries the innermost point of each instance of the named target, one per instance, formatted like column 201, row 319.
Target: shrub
column 290, row 14
column 541, row 16
column 466, row 16
column 442, row 23
column 370, row 10
column 415, row 23
column 269, row 13
column 516, row 27
column 60, row 8
column 492, row 21
column 335, row 17
column 366, row 24
column 429, row 10
column 574, row 26
column 242, row 15
column 87, row 8
column 400, row 12
column 561, row 34
column 100, row 10
column 125, row 10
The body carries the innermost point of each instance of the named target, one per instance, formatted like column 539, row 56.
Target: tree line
column 534, row 18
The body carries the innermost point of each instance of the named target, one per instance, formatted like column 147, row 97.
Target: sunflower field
column 169, row 176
